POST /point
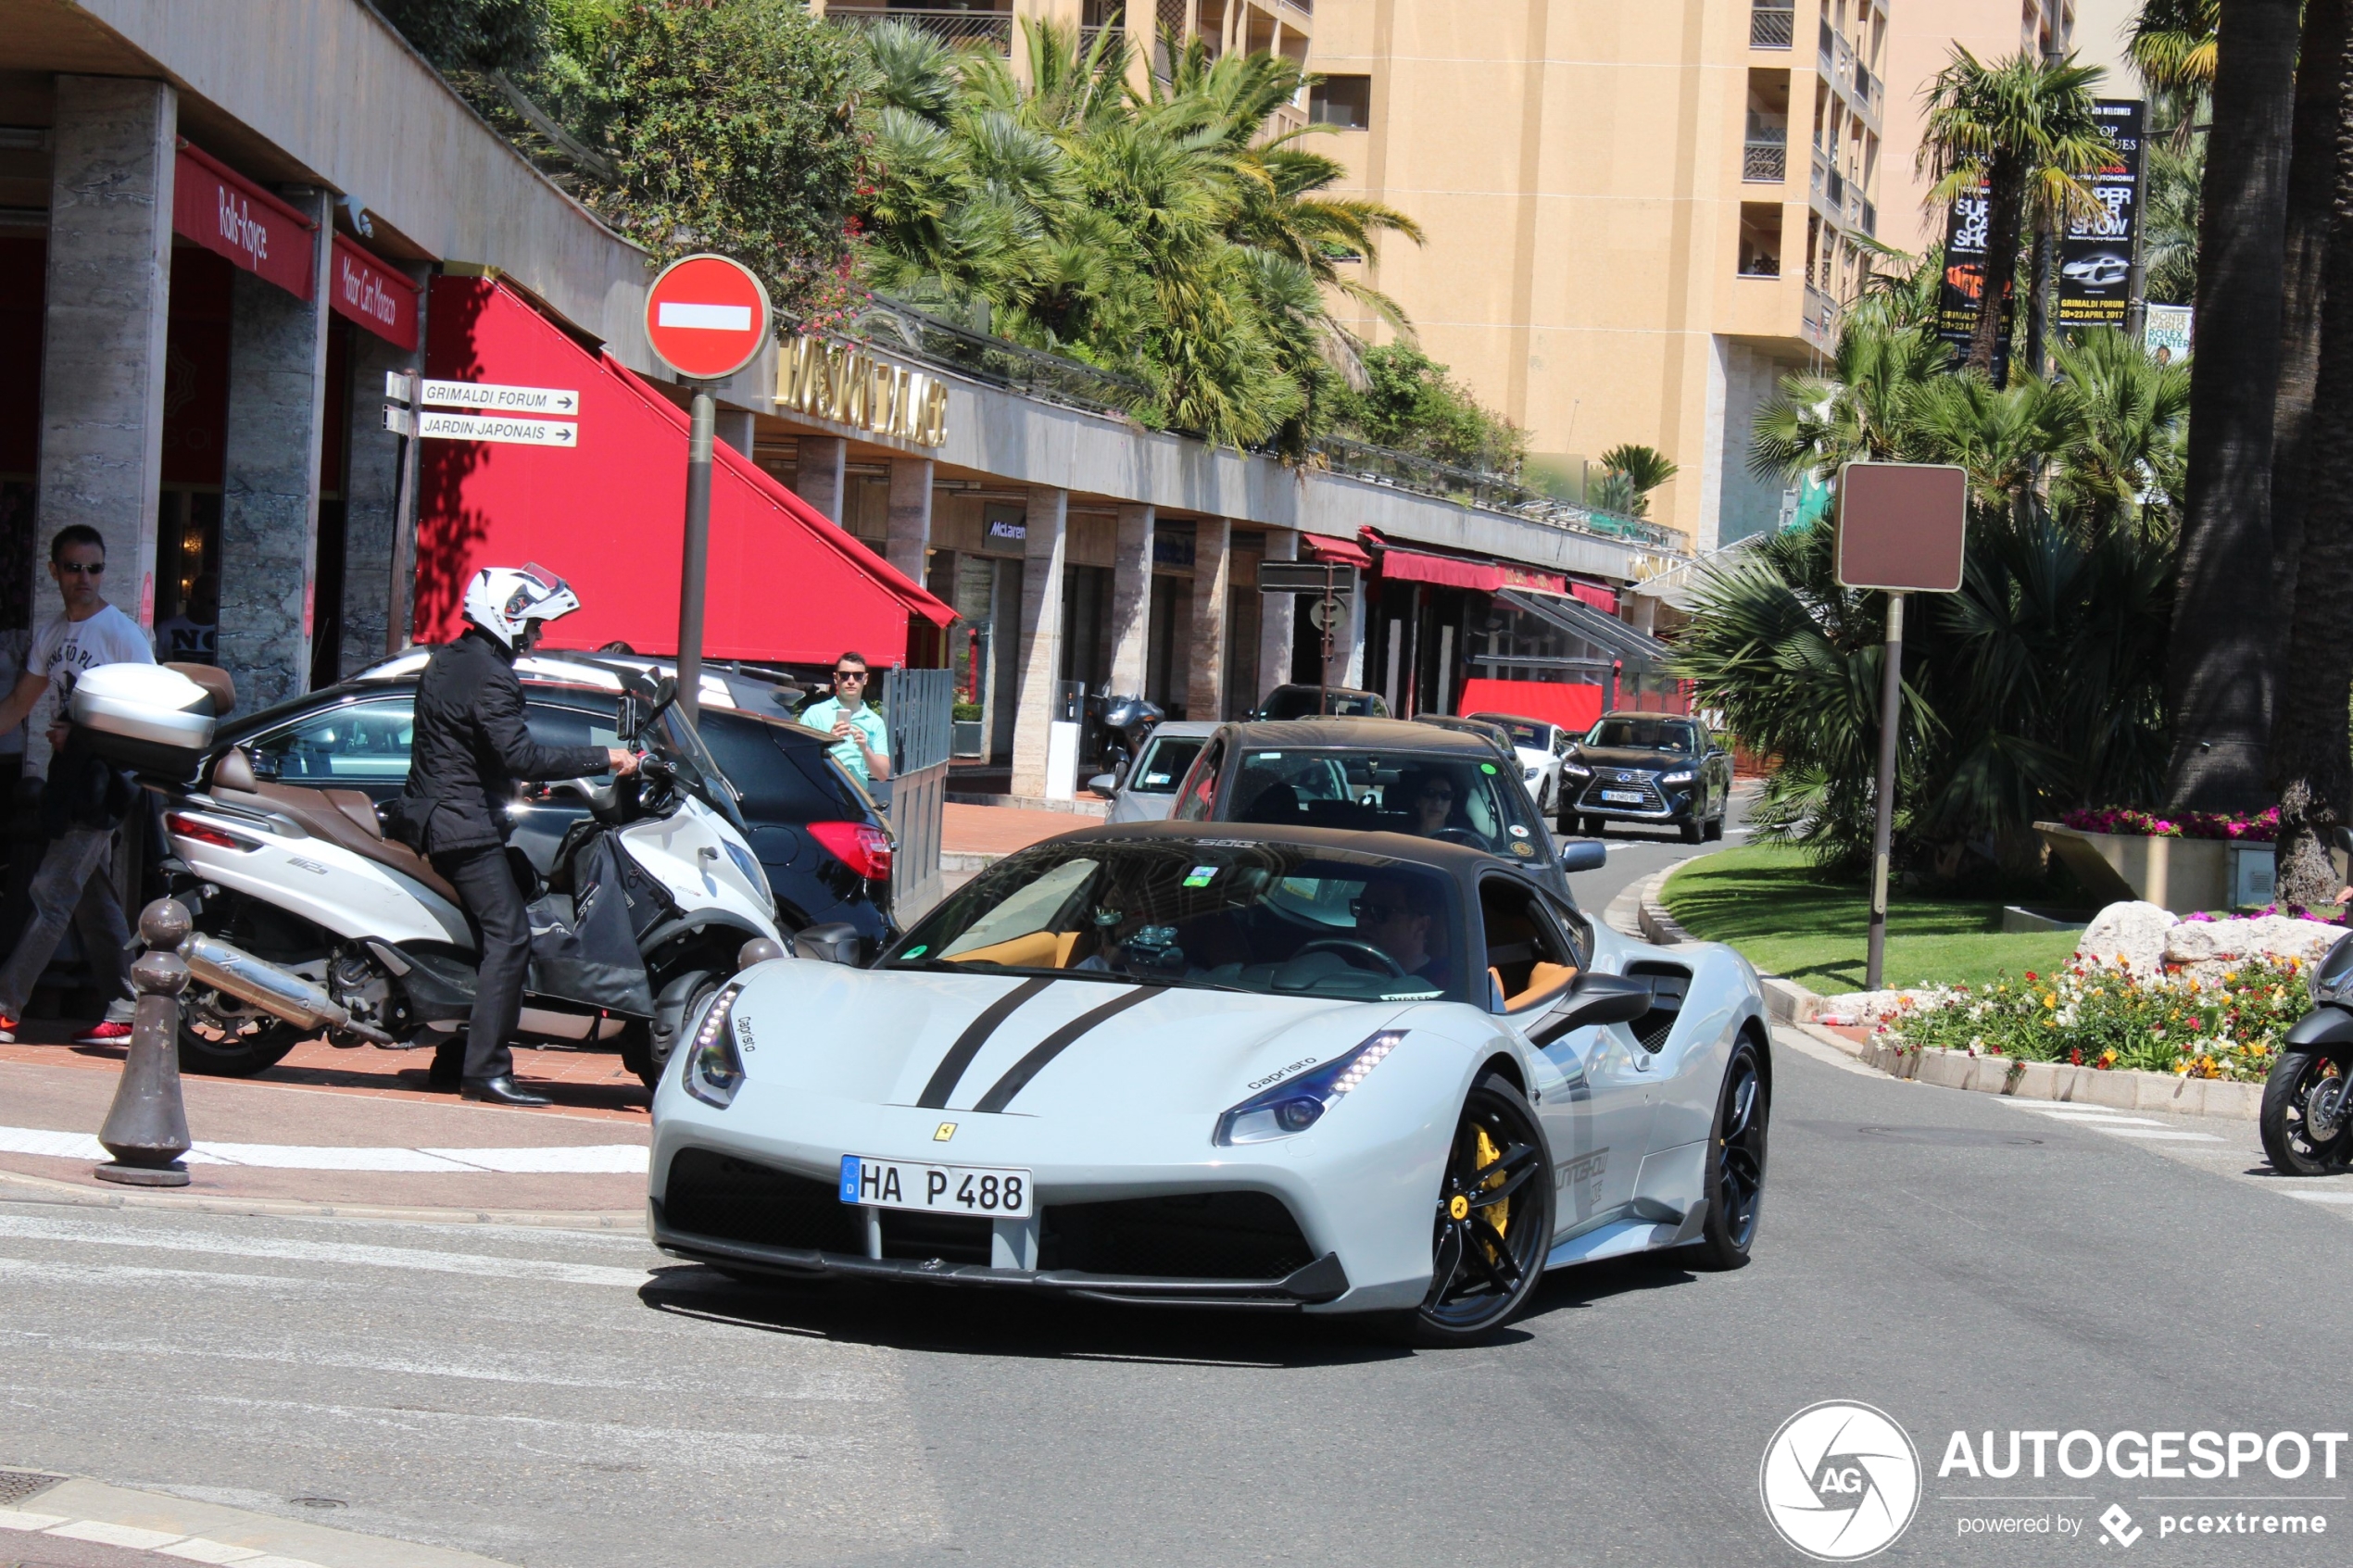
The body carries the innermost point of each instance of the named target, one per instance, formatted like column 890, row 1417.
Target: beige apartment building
column 1640, row 217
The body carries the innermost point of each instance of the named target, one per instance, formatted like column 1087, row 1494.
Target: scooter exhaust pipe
column 275, row 991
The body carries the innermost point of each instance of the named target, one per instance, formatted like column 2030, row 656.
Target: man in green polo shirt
column 864, row 743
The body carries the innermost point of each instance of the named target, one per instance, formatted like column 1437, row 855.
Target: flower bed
column 2105, row 1015
column 2261, row 828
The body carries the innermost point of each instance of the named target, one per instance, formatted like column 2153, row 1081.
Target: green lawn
column 1770, row 904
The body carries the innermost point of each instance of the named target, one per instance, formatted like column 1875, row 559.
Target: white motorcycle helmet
column 506, row 600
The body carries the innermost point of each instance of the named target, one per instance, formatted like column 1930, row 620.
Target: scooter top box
column 145, row 717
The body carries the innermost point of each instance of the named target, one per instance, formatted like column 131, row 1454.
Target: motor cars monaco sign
column 706, row 317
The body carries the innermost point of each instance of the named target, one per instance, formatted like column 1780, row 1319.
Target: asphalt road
column 575, row 1400
column 1637, row 852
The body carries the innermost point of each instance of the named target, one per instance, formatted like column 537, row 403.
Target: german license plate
column 949, row 1189
column 1626, row 796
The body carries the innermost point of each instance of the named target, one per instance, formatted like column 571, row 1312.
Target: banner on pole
column 2095, row 253
column 1964, row 282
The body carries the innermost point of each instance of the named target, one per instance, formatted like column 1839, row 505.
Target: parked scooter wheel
column 2299, row 1079
column 228, row 1046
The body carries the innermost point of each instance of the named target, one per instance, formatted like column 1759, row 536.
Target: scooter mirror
column 1104, row 784
column 833, row 942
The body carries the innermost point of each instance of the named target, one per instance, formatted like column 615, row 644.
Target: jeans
column 501, row 922
column 75, row 883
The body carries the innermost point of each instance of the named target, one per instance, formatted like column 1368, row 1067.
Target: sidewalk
column 290, row 1141
column 68, row 1522
column 993, row 830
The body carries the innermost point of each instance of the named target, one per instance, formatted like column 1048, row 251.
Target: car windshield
column 1643, row 734
column 1163, row 763
column 1462, row 799
column 1523, row 734
column 1279, row 919
column 1308, row 702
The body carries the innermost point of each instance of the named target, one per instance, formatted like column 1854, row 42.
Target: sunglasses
column 79, row 568
column 1438, row 792
column 850, row 674
column 1377, row 914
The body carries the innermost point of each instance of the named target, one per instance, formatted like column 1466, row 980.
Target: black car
column 1327, row 702
column 1658, row 770
column 1377, row 775
column 825, row 847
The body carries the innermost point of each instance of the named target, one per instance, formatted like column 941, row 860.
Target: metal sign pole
column 696, row 556
column 1883, row 808
column 1324, row 672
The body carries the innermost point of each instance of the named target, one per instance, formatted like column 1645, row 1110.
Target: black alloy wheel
column 2285, row 1118
column 222, row 1037
column 1495, row 1219
column 1735, row 1163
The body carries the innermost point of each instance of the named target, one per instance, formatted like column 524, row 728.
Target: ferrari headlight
column 1294, row 1106
column 1681, row 775
column 714, row 1070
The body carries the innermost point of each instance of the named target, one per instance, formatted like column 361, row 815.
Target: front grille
column 1651, row 799
column 719, row 1195
column 951, row 1238
column 1196, row 1236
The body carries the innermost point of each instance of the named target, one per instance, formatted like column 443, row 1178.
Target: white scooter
column 310, row 920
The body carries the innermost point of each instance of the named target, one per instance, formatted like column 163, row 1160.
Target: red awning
column 227, row 214
column 604, row 505
column 1447, row 571
column 371, row 294
column 1594, row 594
column 1339, row 552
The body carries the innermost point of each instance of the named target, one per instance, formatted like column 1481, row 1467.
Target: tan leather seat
column 345, row 817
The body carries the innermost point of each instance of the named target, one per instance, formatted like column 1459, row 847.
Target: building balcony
column 1820, row 323
column 980, row 30
column 1772, row 27
column 1763, row 162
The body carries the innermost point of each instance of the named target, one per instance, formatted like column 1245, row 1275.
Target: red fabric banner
column 606, row 511
column 1566, row 703
column 231, row 216
column 367, row 291
column 1340, row 552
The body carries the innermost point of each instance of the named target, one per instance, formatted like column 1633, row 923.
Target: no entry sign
column 706, row 317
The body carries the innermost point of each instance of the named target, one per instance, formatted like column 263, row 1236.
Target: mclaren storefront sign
column 846, row 384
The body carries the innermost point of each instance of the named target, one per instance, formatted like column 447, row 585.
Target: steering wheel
column 1463, row 836
column 1353, row 945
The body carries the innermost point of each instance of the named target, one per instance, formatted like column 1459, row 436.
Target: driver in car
column 1404, row 918
column 1430, row 803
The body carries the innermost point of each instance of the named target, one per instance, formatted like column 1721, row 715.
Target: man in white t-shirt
column 75, row 882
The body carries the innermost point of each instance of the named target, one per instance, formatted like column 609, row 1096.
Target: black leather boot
column 502, row 1090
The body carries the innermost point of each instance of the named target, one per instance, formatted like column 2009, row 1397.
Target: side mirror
column 264, row 764
column 1104, row 784
column 1584, row 855
column 1593, row 998
column 833, row 942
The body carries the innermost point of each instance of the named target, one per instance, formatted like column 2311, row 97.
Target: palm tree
column 2024, row 130
column 2217, row 680
column 2309, row 760
column 2122, row 448
column 2172, row 48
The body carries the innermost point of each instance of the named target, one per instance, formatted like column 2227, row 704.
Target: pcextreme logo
column 1840, row 1481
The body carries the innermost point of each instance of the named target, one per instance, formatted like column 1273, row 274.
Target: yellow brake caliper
column 1498, row 1214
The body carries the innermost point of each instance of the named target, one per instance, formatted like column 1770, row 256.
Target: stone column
column 1277, row 622
column 1131, row 601
column 734, row 426
column 270, row 474
column 109, row 299
column 821, row 474
column 1041, row 659
column 1212, row 572
column 370, row 503
column 910, row 528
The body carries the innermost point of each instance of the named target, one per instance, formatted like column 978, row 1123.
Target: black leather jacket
column 472, row 746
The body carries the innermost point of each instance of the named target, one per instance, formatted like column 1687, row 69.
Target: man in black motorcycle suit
column 472, row 747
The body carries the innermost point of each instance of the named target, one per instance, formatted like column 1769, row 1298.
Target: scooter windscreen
column 2332, row 982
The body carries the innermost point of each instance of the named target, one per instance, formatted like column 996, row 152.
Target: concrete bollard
column 147, row 1128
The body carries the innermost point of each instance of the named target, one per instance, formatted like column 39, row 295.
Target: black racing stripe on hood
column 960, row 1055
column 1017, row 1078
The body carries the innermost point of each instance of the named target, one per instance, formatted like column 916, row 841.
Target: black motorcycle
column 2304, row 1114
column 1127, row 722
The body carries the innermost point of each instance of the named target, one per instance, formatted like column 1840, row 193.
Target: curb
column 16, row 1187
column 1090, row 808
column 968, row 860
column 71, row 1509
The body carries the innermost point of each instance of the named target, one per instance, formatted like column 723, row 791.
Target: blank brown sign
column 1901, row 526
